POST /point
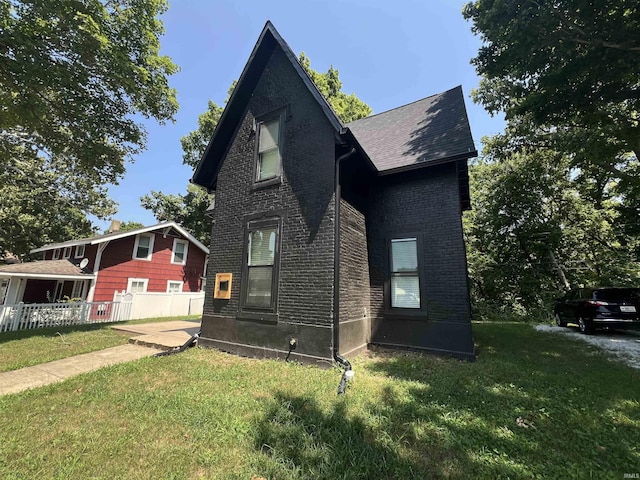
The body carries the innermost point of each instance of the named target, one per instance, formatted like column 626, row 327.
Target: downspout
column 343, row 362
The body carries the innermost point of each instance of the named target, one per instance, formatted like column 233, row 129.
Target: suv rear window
column 618, row 294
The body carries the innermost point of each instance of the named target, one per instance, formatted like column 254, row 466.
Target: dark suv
column 592, row 308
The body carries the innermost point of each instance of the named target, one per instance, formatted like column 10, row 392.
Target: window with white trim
column 268, row 149
column 137, row 285
column 78, row 289
column 174, row 286
column 56, row 254
column 4, row 286
column 79, row 251
column 67, row 252
column 405, row 273
column 143, row 246
column 179, row 251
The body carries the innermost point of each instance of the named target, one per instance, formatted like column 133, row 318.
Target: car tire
column 559, row 321
column 585, row 326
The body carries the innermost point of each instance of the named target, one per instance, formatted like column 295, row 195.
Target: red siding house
column 159, row 258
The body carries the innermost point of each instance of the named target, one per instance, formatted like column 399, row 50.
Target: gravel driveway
column 623, row 345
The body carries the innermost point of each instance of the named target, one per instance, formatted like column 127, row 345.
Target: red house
column 159, row 258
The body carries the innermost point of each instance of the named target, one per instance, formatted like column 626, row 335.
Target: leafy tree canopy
column 571, row 66
column 73, row 76
column 190, row 210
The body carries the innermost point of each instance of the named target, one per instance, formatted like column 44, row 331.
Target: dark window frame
column 246, row 311
column 281, row 114
column 399, row 312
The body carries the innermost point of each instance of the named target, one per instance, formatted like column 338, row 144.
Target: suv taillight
column 597, row 303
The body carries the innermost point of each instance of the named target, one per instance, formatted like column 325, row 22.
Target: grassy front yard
column 205, row 414
column 32, row 347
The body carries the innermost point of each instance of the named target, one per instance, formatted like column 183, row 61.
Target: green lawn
column 205, row 414
column 32, row 347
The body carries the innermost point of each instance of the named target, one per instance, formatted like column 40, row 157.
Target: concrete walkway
column 153, row 338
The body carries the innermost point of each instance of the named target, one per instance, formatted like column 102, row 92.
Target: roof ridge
column 405, row 105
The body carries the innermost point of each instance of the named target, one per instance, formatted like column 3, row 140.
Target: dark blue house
column 327, row 238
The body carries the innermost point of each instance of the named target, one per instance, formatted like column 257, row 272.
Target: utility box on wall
column 222, row 289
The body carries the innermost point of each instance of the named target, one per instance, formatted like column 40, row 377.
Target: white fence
column 153, row 304
column 38, row 315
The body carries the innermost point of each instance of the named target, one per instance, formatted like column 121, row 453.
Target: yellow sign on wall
column 222, row 289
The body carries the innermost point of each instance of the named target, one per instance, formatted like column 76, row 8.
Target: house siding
column 354, row 281
column 117, row 266
column 304, row 202
column 425, row 202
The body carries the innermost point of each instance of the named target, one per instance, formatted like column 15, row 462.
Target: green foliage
column 127, row 226
column 538, row 226
column 573, row 65
column 347, row 107
column 74, row 74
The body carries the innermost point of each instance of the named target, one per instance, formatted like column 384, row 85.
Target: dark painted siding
column 354, row 280
column 425, row 202
column 305, row 202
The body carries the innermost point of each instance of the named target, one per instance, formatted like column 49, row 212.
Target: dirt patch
column 622, row 345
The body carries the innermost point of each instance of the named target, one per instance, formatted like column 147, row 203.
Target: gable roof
column 429, row 131
column 206, row 173
column 116, row 235
column 45, row 269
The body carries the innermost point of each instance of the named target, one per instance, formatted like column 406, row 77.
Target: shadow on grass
column 300, row 439
column 581, row 411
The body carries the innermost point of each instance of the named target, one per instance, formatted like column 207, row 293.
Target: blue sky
column 389, row 53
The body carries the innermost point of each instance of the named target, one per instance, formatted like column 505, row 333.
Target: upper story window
column 405, row 273
column 143, row 246
column 268, row 151
column 79, row 251
column 67, row 252
column 179, row 252
column 56, row 254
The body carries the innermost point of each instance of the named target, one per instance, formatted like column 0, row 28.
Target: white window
column 174, row 286
column 143, row 247
column 179, row 254
column 4, row 286
column 56, row 254
column 405, row 276
column 268, row 162
column 79, row 251
column 78, row 289
column 137, row 285
column 67, row 252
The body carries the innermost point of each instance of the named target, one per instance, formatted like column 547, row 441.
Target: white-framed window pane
column 77, row 289
column 137, row 286
column 79, row 251
column 262, row 246
column 268, row 164
column 174, row 287
column 67, row 252
column 178, row 252
column 405, row 292
column 259, row 286
column 269, row 135
column 56, row 254
column 404, row 255
column 144, row 243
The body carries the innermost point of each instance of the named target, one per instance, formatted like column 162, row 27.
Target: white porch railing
column 24, row 316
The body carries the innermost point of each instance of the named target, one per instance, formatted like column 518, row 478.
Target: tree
column 538, row 226
column 73, row 75
column 127, row 226
column 572, row 67
column 348, row 107
column 189, row 210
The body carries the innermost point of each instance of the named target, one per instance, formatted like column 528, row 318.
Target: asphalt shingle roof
column 44, row 267
column 431, row 130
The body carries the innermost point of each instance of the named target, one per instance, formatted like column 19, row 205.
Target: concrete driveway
column 623, row 345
